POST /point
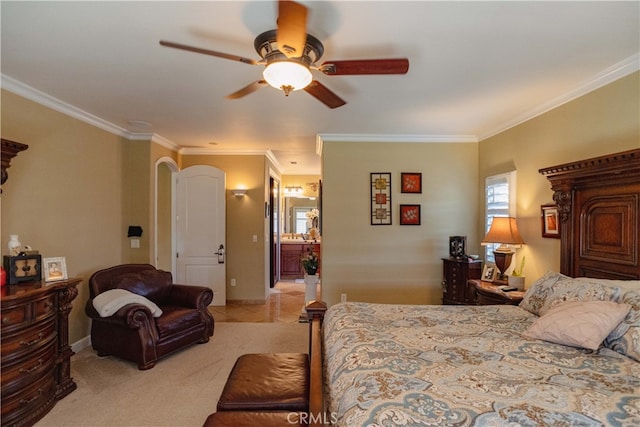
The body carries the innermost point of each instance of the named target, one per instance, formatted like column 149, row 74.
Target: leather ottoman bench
column 267, row 382
column 255, row 419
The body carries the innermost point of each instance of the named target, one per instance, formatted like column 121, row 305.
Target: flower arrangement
column 310, row 262
column 312, row 214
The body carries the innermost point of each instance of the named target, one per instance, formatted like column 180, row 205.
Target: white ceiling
column 476, row 68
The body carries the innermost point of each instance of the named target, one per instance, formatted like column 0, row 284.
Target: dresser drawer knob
column 6, row 320
column 32, row 342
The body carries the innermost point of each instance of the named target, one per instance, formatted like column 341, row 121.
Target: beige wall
column 601, row 122
column 394, row 263
column 64, row 195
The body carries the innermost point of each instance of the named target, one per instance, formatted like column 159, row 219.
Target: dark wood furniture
column 35, row 349
column 488, row 293
column 10, row 149
column 290, row 257
column 598, row 201
column 456, row 273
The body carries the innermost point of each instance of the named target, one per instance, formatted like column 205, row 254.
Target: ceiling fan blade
column 365, row 66
column 250, row 88
column 208, row 52
column 292, row 28
column 324, row 95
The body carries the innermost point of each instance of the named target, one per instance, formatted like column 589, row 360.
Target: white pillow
column 107, row 303
column 579, row 323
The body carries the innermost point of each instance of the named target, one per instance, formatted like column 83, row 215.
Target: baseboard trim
column 81, row 344
column 247, row 301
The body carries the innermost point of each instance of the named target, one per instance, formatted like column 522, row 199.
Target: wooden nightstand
column 488, row 293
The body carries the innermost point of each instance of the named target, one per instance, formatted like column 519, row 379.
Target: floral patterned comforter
column 404, row 365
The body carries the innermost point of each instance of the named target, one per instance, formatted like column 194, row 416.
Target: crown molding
column 603, row 78
column 421, row 139
column 33, row 94
column 37, row 96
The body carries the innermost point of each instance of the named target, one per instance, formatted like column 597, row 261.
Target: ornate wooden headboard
column 598, row 201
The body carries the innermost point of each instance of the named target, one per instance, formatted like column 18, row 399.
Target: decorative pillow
column 549, row 293
column 537, row 294
column 625, row 338
column 579, row 323
column 108, row 302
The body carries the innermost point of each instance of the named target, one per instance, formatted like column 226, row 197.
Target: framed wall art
column 381, row 198
column 409, row 214
column 411, row 182
column 54, row 269
column 550, row 221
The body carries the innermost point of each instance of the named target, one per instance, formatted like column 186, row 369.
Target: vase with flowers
column 310, row 262
column 312, row 223
column 310, row 265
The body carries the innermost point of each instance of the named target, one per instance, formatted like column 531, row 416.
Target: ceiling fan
column 289, row 54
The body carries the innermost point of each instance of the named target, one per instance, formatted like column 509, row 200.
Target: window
column 300, row 220
column 500, row 196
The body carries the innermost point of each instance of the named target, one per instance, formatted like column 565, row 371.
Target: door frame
column 173, row 167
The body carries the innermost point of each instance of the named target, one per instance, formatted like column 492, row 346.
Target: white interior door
column 200, row 229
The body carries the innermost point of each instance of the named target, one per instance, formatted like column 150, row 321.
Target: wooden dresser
column 456, row 272
column 35, row 348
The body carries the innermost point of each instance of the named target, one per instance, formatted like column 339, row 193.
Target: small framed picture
column 489, row 272
column 409, row 214
column 411, row 182
column 550, row 221
column 54, row 269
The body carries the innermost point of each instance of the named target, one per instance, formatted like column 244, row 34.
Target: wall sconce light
column 504, row 231
column 239, row 192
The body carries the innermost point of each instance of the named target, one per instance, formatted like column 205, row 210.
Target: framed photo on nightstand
column 489, row 272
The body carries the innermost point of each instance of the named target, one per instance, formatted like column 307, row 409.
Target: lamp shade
column 287, row 75
column 503, row 230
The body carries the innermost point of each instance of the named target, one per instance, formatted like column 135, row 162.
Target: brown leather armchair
column 132, row 333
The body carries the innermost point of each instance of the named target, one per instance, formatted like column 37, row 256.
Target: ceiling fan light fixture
column 287, row 75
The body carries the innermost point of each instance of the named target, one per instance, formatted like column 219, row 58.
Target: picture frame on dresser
column 55, row 269
column 489, row 272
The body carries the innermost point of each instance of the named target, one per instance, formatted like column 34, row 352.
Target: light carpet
column 180, row 391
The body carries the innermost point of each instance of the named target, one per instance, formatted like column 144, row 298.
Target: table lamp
column 504, row 230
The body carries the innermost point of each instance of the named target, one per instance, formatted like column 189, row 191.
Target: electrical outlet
column 343, row 297
column 233, row 282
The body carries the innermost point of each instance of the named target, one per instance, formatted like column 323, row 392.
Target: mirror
column 295, row 214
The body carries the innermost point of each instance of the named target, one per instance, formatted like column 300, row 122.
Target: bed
column 568, row 355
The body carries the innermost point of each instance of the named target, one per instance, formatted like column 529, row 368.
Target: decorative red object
column 3, row 277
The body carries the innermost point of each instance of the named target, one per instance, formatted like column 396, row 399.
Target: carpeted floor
column 181, row 390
